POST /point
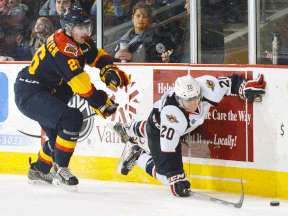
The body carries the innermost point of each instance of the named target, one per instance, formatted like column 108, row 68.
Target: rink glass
column 222, row 34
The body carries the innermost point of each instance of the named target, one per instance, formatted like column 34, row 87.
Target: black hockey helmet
column 75, row 16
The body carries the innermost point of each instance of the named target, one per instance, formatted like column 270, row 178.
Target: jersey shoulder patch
column 66, row 45
column 173, row 117
column 210, row 88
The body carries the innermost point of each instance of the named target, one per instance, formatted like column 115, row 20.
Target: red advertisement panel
column 227, row 132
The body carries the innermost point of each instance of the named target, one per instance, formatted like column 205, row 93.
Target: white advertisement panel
column 270, row 119
column 11, row 140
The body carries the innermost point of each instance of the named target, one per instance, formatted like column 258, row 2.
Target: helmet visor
column 89, row 27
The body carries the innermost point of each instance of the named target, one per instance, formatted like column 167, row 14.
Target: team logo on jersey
column 193, row 121
column 71, row 49
column 172, row 119
column 210, row 84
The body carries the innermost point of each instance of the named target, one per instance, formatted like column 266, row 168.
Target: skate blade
column 123, row 156
column 38, row 182
column 72, row 188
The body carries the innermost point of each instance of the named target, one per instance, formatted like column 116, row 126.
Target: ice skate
column 120, row 131
column 131, row 156
column 62, row 177
column 36, row 176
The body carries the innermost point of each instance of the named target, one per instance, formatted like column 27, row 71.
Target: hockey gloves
column 251, row 90
column 178, row 184
column 108, row 109
column 113, row 77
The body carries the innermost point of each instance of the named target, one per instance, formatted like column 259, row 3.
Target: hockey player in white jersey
column 179, row 111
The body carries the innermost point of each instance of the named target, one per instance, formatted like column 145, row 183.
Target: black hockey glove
column 110, row 107
column 113, row 77
column 178, row 184
column 253, row 89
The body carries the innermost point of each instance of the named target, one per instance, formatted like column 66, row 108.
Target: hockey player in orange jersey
column 43, row 89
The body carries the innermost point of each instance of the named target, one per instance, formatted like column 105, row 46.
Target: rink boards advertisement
column 238, row 139
column 223, row 133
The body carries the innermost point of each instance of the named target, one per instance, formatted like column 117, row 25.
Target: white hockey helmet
column 187, row 90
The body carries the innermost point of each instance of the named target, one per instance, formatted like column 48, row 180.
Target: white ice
column 19, row 198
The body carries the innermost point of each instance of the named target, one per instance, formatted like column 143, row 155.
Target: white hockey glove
column 178, row 184
column 253, row 89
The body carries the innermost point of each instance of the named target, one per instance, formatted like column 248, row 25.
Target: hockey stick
column 115, row 105
column 202, row 196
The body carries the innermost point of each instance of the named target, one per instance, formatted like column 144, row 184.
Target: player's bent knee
column 71, row 120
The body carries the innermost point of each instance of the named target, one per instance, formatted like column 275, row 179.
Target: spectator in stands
column 33, row 9
column 4, row 54
column 212, row 40
column 3, row 44
column 108, row 8
column 4, row 7
column 50, row 8
column 17, row 8
column 143, row 43
column 27, row 48
column 113, row 7
column 154, row 4
column 61, row 5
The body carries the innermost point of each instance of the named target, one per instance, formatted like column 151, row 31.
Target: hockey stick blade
column 31, row 135
column 85, row 119
column 202, row 196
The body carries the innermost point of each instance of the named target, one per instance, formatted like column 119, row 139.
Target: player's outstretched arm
column 251, row 90
column 112, row 76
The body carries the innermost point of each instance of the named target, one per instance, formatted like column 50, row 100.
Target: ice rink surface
column 18, row 198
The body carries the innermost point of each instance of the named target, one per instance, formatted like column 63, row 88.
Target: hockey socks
column 64, row 147
column 146, row 163
column 137, row 129
column 44, row 162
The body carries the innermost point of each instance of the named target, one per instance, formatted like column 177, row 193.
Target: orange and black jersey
column 62, row 60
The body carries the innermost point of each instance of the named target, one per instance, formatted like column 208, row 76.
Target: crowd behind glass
column 152, row 30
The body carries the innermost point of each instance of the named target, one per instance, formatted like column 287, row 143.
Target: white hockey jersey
column 175, row 121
